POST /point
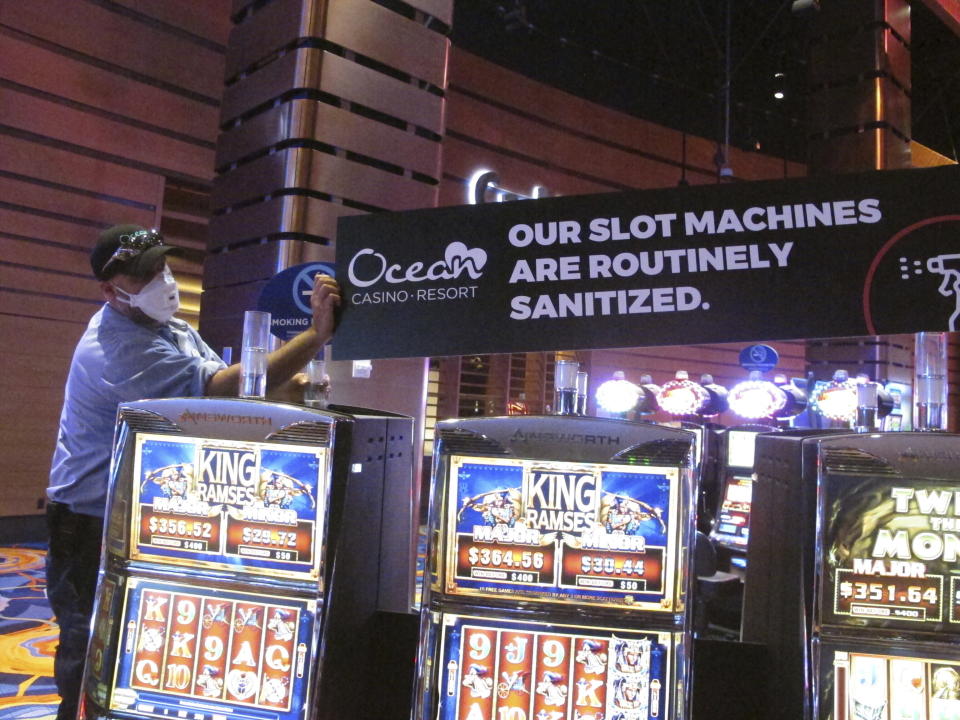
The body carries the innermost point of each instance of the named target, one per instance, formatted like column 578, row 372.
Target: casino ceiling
column 667, row 61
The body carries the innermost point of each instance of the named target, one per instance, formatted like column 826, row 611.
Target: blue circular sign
column 759, row 357
column 286, row 296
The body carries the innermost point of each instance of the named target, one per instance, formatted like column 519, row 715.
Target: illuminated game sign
column 872, row 685
column 890, row 549
column 563, row 532
column 247, row 506
column 511, row 670
column 187, row 651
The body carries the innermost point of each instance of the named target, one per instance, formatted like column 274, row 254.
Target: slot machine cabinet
column 778, row 585
column 241, row 563
column 886, row 616
column 721, row 592
column 706, row 467
column 557, row 571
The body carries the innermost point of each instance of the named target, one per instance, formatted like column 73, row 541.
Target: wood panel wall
column 108, row 113
column 332, row 108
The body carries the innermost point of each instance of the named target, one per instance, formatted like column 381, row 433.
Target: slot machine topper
column 557, row 570
column 233, row 582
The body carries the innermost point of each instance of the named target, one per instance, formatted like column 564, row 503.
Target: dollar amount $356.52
column 181, row 528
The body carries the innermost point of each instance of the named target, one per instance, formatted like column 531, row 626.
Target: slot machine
column 887, row 603
column 557, row 571
column 242, row 559
column 731, row 528
column 849, row 581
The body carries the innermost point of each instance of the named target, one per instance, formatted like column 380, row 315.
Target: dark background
column 666, row 61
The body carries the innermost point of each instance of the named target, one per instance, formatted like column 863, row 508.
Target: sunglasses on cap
column 133, row 244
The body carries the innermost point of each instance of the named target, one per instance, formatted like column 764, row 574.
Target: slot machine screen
column 193, row 652
column 741, row 447
column 889, row 553
column 732, row 526
column 491, row 669
column 227, row 504
column 863, row 681
column 567, row 532
column 733, row 521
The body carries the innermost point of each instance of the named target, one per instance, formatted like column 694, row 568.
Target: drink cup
column 565, row 387
column 253, row 355
column 316, row 393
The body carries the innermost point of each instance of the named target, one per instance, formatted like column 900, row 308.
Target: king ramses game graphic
column 218, row 501
column 589, row 531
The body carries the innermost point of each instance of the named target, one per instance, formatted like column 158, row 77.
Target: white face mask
column 159, row 299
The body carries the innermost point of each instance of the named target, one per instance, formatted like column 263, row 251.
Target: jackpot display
column 891, row 547
column 889, row 535
column 851, row 585
column 217, row 503
column 562, row 532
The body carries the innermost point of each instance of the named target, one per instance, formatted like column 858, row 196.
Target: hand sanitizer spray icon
column 949, row 267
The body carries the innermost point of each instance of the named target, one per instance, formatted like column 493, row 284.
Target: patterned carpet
column 28, row 637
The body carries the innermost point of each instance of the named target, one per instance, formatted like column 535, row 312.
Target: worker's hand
column 291, row 391
column 324, row 301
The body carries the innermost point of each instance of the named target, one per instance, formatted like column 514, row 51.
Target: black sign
column 839, row 256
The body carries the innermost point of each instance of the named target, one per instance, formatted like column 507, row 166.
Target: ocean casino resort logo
column 368, row 268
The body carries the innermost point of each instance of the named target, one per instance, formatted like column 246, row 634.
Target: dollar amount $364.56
column 496, row 557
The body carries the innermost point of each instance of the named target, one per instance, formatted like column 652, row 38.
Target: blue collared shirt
column 116, row 361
